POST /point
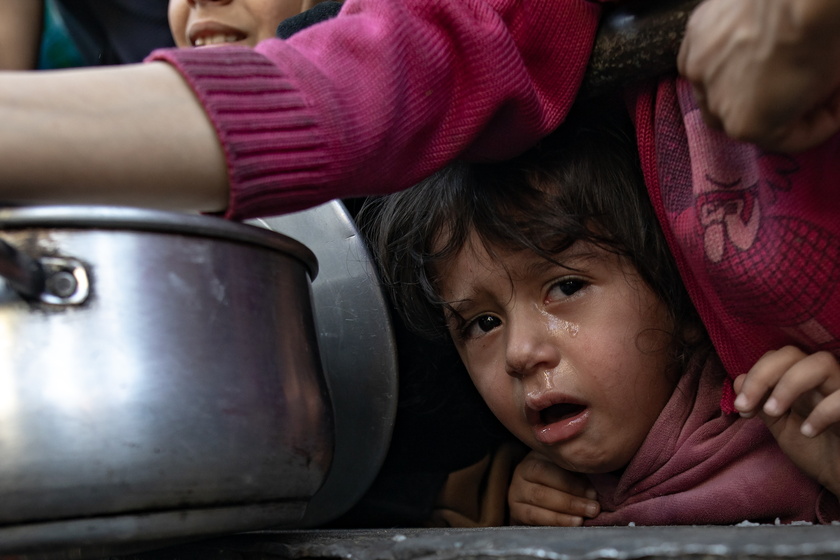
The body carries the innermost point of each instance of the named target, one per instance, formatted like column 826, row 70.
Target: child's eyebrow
column 572, row 259
column 458, row 307
column 539, row 267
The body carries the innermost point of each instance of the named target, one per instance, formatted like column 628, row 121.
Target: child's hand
column 798, row 397
column 541, row 493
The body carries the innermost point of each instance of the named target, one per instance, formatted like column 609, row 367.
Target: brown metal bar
column 637, row 39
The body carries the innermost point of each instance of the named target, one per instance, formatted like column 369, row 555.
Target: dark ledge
column 523, row 543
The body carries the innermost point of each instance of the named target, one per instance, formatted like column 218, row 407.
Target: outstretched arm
column 541, row 493
column 766, row 72
column 345, row 108
column 133, row 135
column 798, row 397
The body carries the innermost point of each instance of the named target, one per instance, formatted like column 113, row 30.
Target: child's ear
column 693, row 333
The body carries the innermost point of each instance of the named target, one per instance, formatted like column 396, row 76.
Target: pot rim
column 157, row 221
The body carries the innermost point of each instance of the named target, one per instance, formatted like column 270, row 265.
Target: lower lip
column 563, row 430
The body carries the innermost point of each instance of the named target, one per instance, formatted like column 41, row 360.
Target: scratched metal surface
column 521, row 543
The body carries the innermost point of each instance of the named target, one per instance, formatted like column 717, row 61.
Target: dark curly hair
column 582, row 183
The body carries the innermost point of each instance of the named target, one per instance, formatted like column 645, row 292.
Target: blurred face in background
column 201, row 23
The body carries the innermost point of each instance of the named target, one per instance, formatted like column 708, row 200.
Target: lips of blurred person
column 203, row 23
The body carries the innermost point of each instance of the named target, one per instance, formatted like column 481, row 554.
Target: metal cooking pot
column 159, row 378
column 358, row 351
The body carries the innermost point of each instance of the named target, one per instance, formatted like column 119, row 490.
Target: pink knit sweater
column 386, row 93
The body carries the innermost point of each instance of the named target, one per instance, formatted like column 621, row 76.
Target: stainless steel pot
column 358, row 351
column 159, row 378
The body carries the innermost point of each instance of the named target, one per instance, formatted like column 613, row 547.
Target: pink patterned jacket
column 756, row 235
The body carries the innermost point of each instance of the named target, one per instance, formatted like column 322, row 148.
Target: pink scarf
column 756, row 235
column 699, row 466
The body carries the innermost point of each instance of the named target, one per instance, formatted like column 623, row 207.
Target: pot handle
column 51, row 280
column 24, row 274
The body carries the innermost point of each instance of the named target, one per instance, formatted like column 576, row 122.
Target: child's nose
column 530, row 348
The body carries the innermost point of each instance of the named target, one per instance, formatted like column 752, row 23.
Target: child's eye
column 566, row 287
column 479, row 326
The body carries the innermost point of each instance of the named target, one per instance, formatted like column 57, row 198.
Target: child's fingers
column 556, row 500
column 526, row 514
column 824, row 415
column 754, row 387
column 804, row 383
column 540, row 505
column 541, row 493
column 538, row 470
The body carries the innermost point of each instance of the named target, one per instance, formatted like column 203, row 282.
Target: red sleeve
column 387, row 92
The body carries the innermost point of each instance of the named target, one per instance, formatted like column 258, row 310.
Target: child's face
column 197, row 23
column 574, row 363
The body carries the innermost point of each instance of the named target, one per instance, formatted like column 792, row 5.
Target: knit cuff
column 268, row 134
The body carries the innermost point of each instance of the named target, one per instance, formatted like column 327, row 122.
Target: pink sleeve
column 389, row 91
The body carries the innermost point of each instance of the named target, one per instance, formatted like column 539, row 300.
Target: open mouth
column 560, row 412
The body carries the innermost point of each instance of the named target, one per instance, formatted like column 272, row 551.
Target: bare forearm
column 132, row 135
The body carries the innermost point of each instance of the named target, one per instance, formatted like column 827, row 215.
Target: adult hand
column 541, row 493
column 798, row 396
column 766, row 72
